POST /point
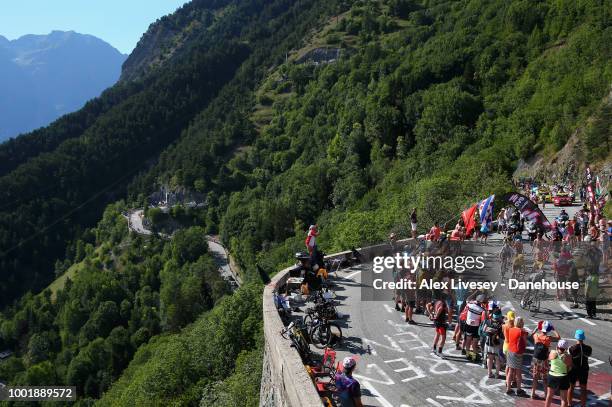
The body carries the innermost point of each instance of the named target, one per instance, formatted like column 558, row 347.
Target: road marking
column 388, row 308
column 408, row 366
column 350, row 276
column 586, row 321
column 477, row 397
column 434, row 403
column 401, row 328
column 373, row 366
column 415, row 337
column 437, row 362
column 383, row 401
column 594, row 362
column 483, row 383
column 394, row 346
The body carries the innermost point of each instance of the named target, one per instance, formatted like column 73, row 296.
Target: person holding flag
column 486, row 217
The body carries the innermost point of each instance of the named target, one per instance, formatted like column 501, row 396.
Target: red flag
column 468, row 219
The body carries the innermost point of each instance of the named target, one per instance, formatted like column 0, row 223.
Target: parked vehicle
column 562, row 199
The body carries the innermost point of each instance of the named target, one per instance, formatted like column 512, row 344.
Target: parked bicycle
column 298, row 334
column 321, row 328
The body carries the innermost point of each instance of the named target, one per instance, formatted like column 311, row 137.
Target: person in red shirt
column 457, row 233
column 517, row 342
column 311, row 239
column 434, row 232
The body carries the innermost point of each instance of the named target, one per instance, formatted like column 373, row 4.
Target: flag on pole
column 468, row 219
column 485, row 209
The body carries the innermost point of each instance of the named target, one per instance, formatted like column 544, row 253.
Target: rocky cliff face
column 152, row 49
column 570, row 162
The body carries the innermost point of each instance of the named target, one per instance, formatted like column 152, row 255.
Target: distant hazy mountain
column 45, row 76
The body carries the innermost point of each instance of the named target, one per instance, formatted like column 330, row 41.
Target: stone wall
column 284, row 381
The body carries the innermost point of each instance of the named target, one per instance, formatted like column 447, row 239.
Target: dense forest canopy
column 430, row 104
column 55, row 195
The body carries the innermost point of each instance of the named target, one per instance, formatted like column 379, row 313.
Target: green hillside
column 428, row 104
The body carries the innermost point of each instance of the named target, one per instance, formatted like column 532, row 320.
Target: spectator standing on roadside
column 494, row 337
column 560, row 364
column 434, row 232
column 517, row 343
column 439, row 314
column 501, row 221
column 542, row 338
column 349, row 390
column 591, row 292
column 413, row 223
column 475, row 315
column 311, row 239
column 580, row 367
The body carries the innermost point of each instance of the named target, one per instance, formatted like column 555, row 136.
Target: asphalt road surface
column 397, row 369
column 135, row 222
column 222, row 260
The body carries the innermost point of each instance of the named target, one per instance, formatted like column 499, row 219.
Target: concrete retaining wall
column 285, row 382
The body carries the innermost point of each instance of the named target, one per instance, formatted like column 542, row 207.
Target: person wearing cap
column 494, row 308
column 542, row 336
column 475, row 315
column 494, row 337
column 517, row 343
column 349, row 390
column 560, row 364
column 580, row 367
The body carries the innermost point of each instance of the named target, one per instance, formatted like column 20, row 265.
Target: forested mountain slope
column 51, row 197
column 431, row 104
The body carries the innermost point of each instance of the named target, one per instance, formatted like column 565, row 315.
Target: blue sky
column 118, row 22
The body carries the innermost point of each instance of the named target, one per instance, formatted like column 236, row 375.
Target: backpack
column 492, row 330
column 540, row 351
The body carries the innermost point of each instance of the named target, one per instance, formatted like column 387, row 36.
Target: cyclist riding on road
column 505, row 255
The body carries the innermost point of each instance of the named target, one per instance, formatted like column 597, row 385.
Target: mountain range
column 43, row 77
column 279, row 114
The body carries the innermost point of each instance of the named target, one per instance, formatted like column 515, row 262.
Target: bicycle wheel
column 537, row 303
column 320, row 335
column 301, row 345
column 526, row 301
column 308, row 321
